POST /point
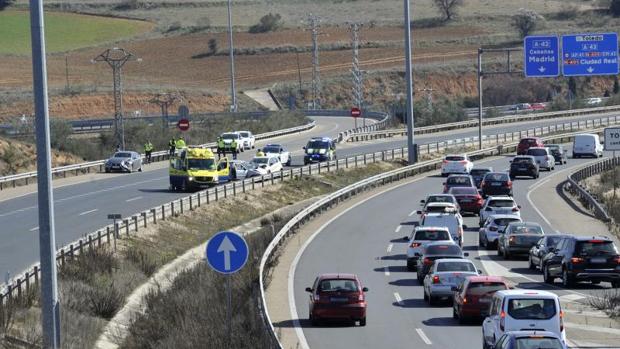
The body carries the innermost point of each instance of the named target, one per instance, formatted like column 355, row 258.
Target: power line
column 164, row 100
column 358, row 85
column 316, row 73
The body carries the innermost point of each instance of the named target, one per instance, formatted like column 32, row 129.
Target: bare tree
column 448, row 8
column 526, row 21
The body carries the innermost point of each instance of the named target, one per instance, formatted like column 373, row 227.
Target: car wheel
column 184, row 186
column 107, row 170
column 512, row 178
column 530, row 264
column 479, row 242
column 140, row 169
column 548, row 278
column 444, row 175
column 567, row 280
column 420, row 279
column 411, row 266
column 314, row 321
column 595, row 282
column 615, row 284
column 431, row 300
column 288, row 163
column 425, row 297
column 363, row 321
column 499, row 250
column 537, row 175
column 506, row 254
column 455, row 315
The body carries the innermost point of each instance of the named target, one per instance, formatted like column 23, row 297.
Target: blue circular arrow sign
column 227, row 252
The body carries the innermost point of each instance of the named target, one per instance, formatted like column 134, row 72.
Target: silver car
column 488, row 235
column 242, row 169
column 124, row 161
column 444, row 275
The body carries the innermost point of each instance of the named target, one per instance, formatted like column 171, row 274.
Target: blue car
column 530, row 340
column 319, row 149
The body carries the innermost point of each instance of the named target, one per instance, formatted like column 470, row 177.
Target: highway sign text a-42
column 542, row 56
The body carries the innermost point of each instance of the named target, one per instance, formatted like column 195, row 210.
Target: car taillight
column 577, row 260
column 445, row 162
column 460, row 231
column 561, row 320
column 436, row 279
column 415, row 244
column 463, row 162
column 509, row 184
column 515, row 209
column 512, row 240
column 479, row 199
column 464, row 300
column 360, row 297
column 483, row 183
column 428, row 261
column 502, row 320
column 617, row 260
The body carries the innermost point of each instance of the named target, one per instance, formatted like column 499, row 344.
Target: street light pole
column 412, row 156
column 50, row 314
column 233, row 93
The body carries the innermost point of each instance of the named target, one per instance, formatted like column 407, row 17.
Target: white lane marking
column 89, row 211
column 386, row 270
column 494, row 268
column 303, row 343
column 17, row 211
column 413, row 212
column 134, row 199
column 34, row 229
column 398, row 228
column 398, row 299
column 423, row 336
column 389, row 248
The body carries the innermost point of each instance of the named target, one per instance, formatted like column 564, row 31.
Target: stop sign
column 183, row 124
column 356, row 112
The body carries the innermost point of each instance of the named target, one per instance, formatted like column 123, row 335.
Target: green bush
column 267, row 23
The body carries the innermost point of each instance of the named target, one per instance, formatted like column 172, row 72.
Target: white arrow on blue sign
column 541, row 56
column 227, row 252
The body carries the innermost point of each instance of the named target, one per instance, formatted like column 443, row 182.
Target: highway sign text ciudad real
column 585, row 54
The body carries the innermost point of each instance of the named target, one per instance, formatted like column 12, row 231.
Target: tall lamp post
column 412, row 156
column 233, row 90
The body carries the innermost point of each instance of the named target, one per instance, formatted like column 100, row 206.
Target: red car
column 473, row 298
column 539, row 106
column 469, row 199
column 337, row 297
column 527, row 143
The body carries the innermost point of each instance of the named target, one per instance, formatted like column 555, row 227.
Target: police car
column 319, row 149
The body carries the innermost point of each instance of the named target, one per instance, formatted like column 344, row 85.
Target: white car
column 543, row 157
column 592, row 101
column 228, row 138
column 456, row 164
column 279, row 151
column 444, row 275
column 247, row 139
column 420, row 238
column 587, row 144
column 515, row 310
column 503, row 204
column 488, row 235
column 448, row 220
column 267, row 164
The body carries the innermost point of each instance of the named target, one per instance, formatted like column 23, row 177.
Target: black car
column 541, row 248
column 477, row 173
column 524, row 165
column 437, row 250
column 496, row 183
column 558, row 152
column 518, row 238
column 578, row 258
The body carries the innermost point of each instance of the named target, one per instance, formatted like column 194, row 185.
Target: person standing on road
column 260, row 152
column 233, row 148
column 221, row 145
column 148, row 149
column 180, row 143
column 171, row 147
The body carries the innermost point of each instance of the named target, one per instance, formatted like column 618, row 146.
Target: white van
column 522, row 310
column 587, row 144
column 448, row 220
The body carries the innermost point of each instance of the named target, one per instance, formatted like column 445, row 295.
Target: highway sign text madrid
column 590, row 54
column 541, row 56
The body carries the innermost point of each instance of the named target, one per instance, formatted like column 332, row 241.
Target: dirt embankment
column 20, row 157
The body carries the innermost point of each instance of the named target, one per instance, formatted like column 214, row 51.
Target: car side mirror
column 510, row 161
column 518, row 206
column 365, row 289
column 464, row 226
column 466, row 254
column 454, row 289
column 304, row 148
column 309, row 289
column 444, row 183
column 422, row 201
column 406, row 238
column 479, row 272
column 418, row 212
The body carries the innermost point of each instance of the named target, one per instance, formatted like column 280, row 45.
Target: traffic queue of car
column 512, row 318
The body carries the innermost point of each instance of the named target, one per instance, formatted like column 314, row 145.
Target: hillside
column 21, row 157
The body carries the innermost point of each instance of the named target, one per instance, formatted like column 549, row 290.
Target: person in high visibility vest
column 171, row 146
column 148, row 149
column 233, row 148
column 180, row 143
column 221, row 145
column 260, row 153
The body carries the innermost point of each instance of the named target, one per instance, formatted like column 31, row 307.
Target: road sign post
column 355, row 113
column 590, row 54
column 227, row 252
column 541, row 56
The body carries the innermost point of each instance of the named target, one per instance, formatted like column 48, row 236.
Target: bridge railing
column 578, row 189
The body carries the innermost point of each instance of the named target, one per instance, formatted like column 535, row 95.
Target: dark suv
column 577, row 258
column 524, row 165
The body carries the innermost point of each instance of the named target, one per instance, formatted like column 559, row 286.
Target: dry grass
column 16, row 156
column 608, row 302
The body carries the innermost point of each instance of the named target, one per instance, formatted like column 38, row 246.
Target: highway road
column 83, row 207
column 367, row 240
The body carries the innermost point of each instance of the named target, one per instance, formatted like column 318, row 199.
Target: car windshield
column 432, row 235
column 595, row 247
column 437, row 208
column 271, row 149
column 531, row 308
column 230, row 136
column 244, row 134
column 496, row 177
column 443, row 250
column 456, row 266
column 201, row 164
column 536, row 152
column 479, row 171
column 521, row 160
column 455, row 158
column 439, row 198
column 317, row 145
column 484, row 288
column 334, row 285
column 526, row 229
column 501, row 203
column 458, row 180
column 464, row 191
column 260, row 161
column 535, row 342
column 122, row 155
column 504, row 221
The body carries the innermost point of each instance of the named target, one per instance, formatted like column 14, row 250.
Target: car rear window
column 504, row 221
column 521, row 160
column 464, row 190
column 479, row 171
column 527, row 229
column 536, row 152
column 458, row 180
column 496, row 177
column 455, row 158
column 122, row 155
column 443, row 249
column 484, row 288
column 432, row 235
column 342, row 285
column 595, row 247
column 439, row 198
column 538, row 342
column 552, row 241
column 501, row 203
column 456, row 266
column 531, row 308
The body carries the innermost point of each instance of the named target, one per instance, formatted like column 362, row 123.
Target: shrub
column 267, row 23
column 447, row 8
column 87, row 265
column 526, row 22
column 212, row 46
column 142, row 259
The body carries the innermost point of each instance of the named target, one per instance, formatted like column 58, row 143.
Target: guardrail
column 87, row 167
column 581, row 191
